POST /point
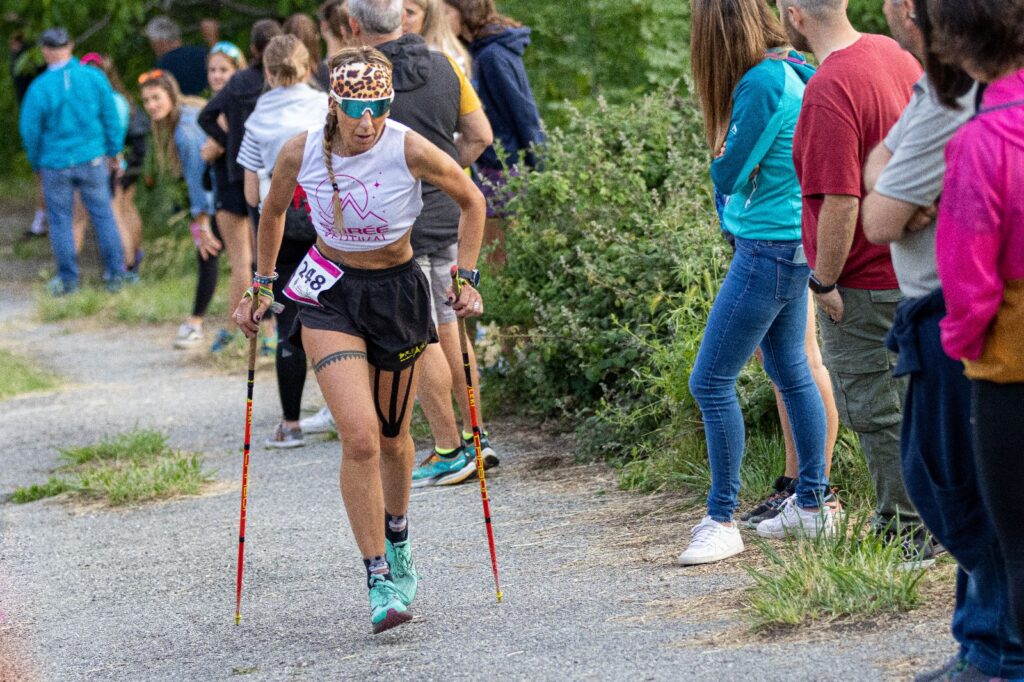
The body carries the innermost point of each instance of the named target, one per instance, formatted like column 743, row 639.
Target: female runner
column 365, row 305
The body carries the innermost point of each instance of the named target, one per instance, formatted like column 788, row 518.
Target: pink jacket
column 980, row 239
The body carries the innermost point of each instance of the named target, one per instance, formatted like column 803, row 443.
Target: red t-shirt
column 849, row 106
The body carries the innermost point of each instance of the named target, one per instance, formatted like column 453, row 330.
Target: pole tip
column 500, row 596
column 238, row 617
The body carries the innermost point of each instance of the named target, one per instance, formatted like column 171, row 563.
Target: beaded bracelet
column 257, row 278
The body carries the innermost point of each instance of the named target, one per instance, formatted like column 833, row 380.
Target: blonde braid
column 329, row 130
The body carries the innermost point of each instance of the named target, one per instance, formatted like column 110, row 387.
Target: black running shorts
column 389, row 309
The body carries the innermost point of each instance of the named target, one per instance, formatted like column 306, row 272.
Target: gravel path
column 591, row 588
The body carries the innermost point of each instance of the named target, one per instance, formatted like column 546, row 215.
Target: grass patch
column 164, row 294
column 137, row 466
column 852, row 575
column 21, row 376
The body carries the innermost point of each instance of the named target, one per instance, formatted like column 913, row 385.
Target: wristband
column 257, row 278
column 197, row 233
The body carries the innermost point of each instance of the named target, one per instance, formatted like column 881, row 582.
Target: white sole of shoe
column 423, row 482
column 457, row 476
column 285, row 446
column 800, row 532
column 312, row 430
column 710, row 558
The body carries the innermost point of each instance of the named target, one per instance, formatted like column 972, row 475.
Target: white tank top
column 380, row 198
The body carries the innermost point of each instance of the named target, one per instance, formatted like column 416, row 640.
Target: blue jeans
column 92, row 181
column 941, row 480
column 763, row 302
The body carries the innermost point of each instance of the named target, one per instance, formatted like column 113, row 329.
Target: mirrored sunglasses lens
column 354, row 108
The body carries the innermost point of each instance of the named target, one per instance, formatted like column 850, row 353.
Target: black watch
column 815, row 285
column 472, row 277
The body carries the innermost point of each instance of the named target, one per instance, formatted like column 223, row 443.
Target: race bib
column 314, row 276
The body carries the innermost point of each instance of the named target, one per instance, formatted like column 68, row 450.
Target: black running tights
column 291, row 359
column 997, row 412
column 207, row 282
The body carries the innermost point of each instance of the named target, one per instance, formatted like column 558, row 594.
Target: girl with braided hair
column 364, row 306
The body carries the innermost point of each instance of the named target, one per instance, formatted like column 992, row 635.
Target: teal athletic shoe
column 387, row 604
column 490, row 456
column 403, row 570
column 449, row 470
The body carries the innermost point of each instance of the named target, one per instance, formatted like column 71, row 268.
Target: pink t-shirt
column 980, row 237
column 850, row 104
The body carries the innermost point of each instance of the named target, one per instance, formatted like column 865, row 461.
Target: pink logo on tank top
column 369, row 227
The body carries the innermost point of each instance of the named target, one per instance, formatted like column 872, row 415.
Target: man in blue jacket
column 72, row 135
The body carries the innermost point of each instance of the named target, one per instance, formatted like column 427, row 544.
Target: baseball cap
column 54, row 37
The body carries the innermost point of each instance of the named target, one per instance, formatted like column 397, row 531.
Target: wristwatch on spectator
column 817, row 287
column 472, row 277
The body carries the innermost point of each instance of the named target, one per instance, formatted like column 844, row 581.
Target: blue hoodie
column 69, row 117
column 500, row 79
column 766, row 102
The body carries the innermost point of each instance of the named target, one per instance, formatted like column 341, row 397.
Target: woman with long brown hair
column 429, row 18
column 750, row 87
column 364, row 304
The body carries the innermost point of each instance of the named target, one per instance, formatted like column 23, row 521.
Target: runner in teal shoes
column 388, row 604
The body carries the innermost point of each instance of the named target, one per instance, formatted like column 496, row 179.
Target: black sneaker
column 784, row 487
column 918, row 548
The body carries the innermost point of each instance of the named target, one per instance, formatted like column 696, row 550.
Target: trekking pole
column 463, row 342
column 245, row 475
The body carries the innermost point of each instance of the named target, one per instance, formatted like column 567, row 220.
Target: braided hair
column 349, row 55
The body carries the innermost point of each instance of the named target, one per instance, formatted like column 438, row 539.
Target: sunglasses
column 229, row 50
column 150, row 75
column 355, row 108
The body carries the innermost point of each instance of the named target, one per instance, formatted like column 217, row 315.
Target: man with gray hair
column 862, row 85
column 187, row 63
column 434, row 98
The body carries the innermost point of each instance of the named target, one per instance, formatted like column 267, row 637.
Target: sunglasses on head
column 355, row 108
column 229, row 50
column 150, row 75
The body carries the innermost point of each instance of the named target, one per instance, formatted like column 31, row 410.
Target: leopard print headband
column 361, row 81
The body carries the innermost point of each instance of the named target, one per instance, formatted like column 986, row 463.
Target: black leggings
column 997, row 412
column 207, row 282
column 291, row 359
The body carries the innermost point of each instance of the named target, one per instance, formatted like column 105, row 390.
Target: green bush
column 614, row 259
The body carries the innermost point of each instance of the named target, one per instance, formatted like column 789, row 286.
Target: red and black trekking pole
column 245, row 475
column 464, row 343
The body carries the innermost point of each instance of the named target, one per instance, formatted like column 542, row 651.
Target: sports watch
column 472, row 277
column 815, row 285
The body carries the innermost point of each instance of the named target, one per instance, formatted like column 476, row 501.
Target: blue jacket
column 188, row 140
column 69, row 117
column 500, row 79
column 766, row 103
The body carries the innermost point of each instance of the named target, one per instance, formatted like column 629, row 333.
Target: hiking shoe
column 711, row 541
column 917, row 549
column 963, row 671
column 939, row 673
column 131, row 277
column 286, row 438
column 321, row 422
column 769, row 508
column 58, row 287
column 221, row 341
column 445, row 470
column 490, row 456
column 188, row 336
column 792, row 521
column 387, row 604
column 403, row 570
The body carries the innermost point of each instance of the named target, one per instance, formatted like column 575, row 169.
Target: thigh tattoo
column 336, row 357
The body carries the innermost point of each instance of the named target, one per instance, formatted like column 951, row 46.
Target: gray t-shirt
column 914, row 175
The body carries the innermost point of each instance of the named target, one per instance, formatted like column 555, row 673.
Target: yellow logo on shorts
column 412, row 353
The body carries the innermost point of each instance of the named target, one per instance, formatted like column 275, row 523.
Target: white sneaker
column 711, row 541
column 793, row 521
column 321, row 422
column 188, row 337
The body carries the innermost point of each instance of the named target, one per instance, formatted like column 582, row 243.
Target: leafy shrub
column 614, row 259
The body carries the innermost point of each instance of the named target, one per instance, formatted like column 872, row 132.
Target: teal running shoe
column 386, row 604
column 221, row 340
column 403, row 570
column 490, row 456
column 446, row 470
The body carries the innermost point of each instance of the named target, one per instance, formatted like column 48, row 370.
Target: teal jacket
column 756, row 171
column 69, row 117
